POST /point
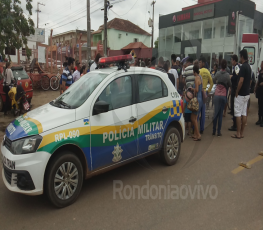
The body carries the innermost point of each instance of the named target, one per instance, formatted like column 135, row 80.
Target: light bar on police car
column 121, row 58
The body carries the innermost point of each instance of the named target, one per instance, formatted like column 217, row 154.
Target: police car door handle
column 132, row 119
column 165, row 109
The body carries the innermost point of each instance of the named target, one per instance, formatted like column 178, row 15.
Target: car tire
column 64, row 190
column 1, row 104
column 171, row 146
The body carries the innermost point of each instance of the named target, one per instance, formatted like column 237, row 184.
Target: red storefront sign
column 182, row 17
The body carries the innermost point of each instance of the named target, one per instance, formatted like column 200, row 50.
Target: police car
column 110, row 117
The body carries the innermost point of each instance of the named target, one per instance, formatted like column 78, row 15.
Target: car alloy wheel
column 172, row 147
column 66, row 180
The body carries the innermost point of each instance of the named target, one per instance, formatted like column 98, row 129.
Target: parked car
column 104, row 120
column 22, row 78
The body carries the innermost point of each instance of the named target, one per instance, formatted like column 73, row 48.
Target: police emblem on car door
column 113, row 135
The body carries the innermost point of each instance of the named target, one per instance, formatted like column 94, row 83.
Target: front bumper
column 32, row 165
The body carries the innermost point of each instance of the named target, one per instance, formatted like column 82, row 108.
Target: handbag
column 193, row 105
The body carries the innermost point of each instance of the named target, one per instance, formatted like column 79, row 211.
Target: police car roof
column 133, row 69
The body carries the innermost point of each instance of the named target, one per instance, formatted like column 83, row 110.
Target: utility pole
column 105, row 28
column 88, row 32
column 38, row 11
column 106, row 7
column 152, row 4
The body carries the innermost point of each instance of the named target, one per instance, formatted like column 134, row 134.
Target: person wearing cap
column 178, row 68
column 178, row 60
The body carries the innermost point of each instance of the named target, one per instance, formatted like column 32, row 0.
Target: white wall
column 116, row 43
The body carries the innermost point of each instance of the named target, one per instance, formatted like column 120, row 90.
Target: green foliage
column 156, row 43
column 14, row 26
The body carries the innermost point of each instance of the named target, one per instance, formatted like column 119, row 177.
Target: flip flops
column 235, row 136
column 195, row 139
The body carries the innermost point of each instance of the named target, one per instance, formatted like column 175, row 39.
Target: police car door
column 113, row 137
column 153, row 111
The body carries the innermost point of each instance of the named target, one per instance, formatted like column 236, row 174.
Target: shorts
column 240, row 104
column 187, row 117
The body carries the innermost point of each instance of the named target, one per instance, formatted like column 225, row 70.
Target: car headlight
column 26, row 145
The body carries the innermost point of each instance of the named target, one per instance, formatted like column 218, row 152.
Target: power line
column 76, row 19
column 128, row 11
column 76, row 13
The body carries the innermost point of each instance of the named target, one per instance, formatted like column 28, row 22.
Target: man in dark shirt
column 160, row 65
column 242, row 94
column 234, row 81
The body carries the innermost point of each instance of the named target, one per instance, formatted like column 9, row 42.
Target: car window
column 20, row 73
column 79, row 91
column 118, row 93
column 151, row 88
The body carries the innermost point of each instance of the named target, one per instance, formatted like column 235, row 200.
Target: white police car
column 106, row 119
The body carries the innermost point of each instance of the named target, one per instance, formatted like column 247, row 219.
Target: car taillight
column 182, row 104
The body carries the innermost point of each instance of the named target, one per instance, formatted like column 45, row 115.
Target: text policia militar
column 166, row 192
column 123, row 133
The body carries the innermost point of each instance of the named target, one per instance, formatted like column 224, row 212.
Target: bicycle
column 54, row 81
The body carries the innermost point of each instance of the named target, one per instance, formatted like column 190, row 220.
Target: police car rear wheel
column 64, row 179
column 171, row 146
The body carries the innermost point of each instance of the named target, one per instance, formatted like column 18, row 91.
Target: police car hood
column 39, row 120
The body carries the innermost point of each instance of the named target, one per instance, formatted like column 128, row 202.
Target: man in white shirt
column 76, row 74
column 174, row 72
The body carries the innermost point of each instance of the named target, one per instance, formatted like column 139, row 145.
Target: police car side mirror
column 100, row 107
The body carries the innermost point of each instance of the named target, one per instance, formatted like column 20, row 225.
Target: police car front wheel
column 64, row 179
column 171, row 146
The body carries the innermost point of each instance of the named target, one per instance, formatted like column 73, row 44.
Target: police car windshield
column 79, row 91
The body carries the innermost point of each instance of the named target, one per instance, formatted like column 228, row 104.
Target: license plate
column 8, row 163
column 26, row 106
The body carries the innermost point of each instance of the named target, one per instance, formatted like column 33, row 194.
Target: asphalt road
column 234, row 199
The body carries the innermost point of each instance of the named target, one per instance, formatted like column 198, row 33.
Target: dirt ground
column 40, row 97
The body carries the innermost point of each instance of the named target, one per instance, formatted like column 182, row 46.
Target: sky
column 59, row 14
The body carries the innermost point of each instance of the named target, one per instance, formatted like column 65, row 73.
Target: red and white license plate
column 26, row 106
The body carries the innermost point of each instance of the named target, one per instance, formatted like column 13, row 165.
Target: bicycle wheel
column 54, row 83
column 45, row 82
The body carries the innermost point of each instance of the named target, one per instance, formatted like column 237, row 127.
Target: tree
column 14, row 26
column 156, row 43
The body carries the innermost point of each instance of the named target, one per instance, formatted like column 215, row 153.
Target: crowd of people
column 193, row 76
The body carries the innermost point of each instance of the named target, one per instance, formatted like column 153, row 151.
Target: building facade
column 212, row 29
column 71, row 39
column 121, row 33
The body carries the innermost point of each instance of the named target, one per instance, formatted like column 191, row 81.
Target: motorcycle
column 18, row 99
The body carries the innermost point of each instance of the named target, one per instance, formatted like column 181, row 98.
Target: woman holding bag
column 197, row 89
column 222, row 79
